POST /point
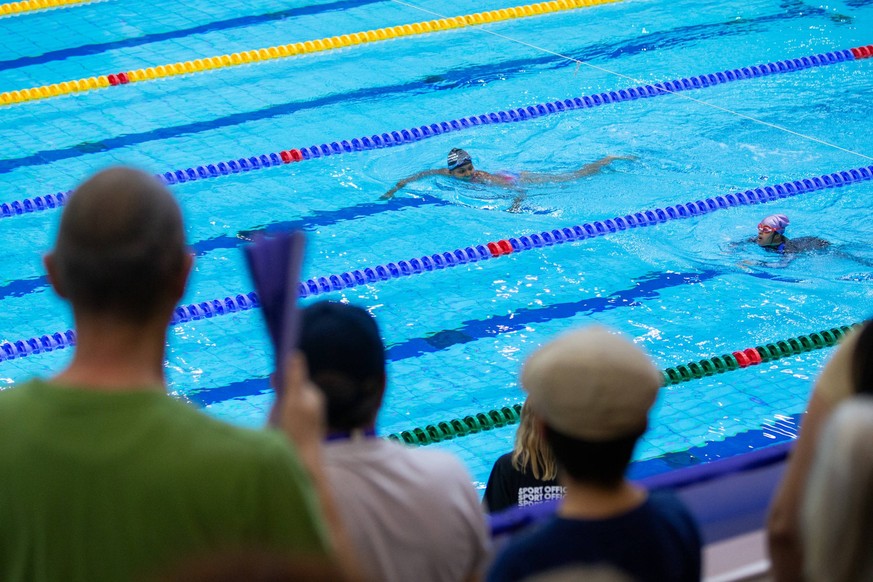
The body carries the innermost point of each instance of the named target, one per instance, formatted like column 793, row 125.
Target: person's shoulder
column 504, row 461
column 667, row 503
column 210, row 436
column 447, row 472
column 433, row 459
column 669, row 509
column 519, row 556
column 18, row 392
column 806, row 243
column 24, row 389
column 17, row 402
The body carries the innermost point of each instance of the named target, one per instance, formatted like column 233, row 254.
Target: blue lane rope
column 439, row 261
column 404, row 136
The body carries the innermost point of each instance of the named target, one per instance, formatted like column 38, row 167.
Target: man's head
column 120, row 250
column 346, row 359
column 771, row 230
column 592, row 391
column 460, row 164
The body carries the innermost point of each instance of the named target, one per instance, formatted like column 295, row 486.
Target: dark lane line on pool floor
column 454, row 79
column 317, row 219
column 229, row 24
column 645, row 287
column 781, row 430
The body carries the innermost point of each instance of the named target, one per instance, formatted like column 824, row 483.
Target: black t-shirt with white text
column 507, row 487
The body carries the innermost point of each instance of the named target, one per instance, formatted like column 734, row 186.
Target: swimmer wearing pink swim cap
column 771, row 231
column 771, row 237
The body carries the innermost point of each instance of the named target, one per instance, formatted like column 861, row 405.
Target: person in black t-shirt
column 526, row 476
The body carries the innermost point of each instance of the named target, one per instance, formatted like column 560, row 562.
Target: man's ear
column 51, row 269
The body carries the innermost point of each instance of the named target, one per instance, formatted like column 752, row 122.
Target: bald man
column 105, row 476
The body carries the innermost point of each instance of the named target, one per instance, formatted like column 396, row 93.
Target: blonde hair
column 837, row 511
column 531, row 449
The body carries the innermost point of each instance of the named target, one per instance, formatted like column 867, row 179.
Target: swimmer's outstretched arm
column 586, row 170
column 516, row 203
column 424, row 174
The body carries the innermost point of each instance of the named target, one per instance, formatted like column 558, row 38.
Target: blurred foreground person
column 837, row 510
column 591, row 392
column 105, row 476
column 411, row 513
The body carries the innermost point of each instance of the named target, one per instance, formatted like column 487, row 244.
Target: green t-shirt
column 99, row 485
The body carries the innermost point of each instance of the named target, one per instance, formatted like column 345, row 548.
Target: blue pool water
column 457, row 337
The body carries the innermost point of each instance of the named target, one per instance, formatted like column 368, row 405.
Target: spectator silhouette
column 526, row 476
column 591, row 392
column 848, row 372
column 106, row 477
column 837, row 509
column 412, row 514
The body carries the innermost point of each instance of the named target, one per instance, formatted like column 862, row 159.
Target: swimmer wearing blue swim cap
column 459, row 165
column 459, row 159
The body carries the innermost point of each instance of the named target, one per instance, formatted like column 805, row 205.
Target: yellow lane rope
column 286, row 50
column 12, row 8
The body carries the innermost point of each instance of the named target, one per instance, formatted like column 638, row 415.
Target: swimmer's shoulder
column 806, row 243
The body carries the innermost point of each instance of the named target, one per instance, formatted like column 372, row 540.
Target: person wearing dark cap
column 591, row 391
column 460, row 166
column 412, row 514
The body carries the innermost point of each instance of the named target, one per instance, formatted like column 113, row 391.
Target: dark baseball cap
column 346, row 359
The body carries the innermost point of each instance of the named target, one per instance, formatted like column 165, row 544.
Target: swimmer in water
column 460, row 166
column 771, row 237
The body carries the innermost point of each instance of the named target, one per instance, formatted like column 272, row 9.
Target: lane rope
column 405, row 136
column 288, row 50
column 737, row 360
column 635, row 80
column 16, row 8
column 475, row 253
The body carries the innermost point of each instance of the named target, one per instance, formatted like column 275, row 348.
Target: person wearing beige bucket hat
column 591, row 391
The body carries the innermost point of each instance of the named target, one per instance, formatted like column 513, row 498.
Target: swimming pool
column 457, row 335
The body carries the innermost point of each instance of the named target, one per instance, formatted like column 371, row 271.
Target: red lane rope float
column 279, row 51
column 405, row 136
column 481, row 252
column 737, row 360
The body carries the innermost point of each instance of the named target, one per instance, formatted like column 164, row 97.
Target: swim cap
column 777, row 222
column 458, row 157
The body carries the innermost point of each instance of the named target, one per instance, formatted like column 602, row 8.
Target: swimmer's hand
column 516, row 204
column 390, row 193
